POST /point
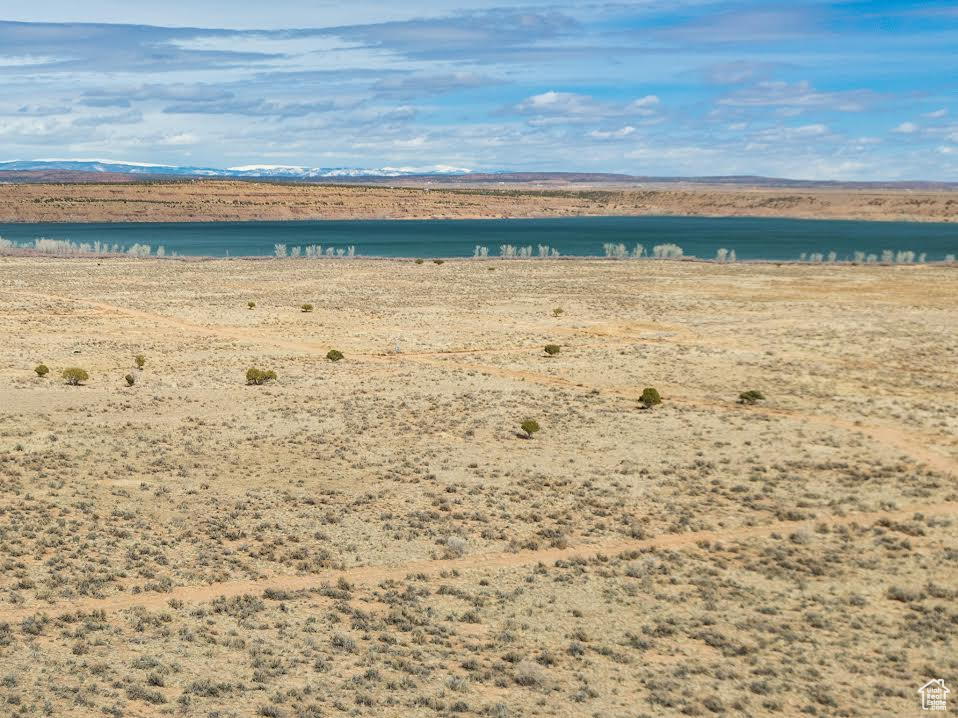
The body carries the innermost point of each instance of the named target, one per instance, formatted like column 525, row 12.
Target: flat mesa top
column 223, row 200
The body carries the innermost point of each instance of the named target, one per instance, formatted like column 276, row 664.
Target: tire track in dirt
column 373, row 575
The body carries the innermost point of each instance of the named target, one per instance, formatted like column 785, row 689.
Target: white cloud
column 799, row 97
column 333, row 84
column 816, row 130
column 276, row 14
column 863, row 144
column 613, row 134
column 33, row 129
column 557, row 103
column 27, row 60
column 556, row 108
column 907, row 128
column 179, row 140
column 645, row 106
column 764, row 139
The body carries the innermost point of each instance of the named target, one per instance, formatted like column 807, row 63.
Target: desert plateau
column 224, row 200
column 377, row 535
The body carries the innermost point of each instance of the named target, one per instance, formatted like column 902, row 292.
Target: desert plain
column 377, row 536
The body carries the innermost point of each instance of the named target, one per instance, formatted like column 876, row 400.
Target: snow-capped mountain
column 283, row 171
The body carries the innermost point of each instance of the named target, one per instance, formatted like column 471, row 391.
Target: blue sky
column 820, row 90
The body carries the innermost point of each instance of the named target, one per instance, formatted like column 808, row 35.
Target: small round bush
column 42, row 370
column 456, row 547
column 650, row 397
column 420, row 261
column 335, row 355
column 130, row 379
column 552, row 349
column 750, row 397
column 558, row 312
column 251, row 305
column 140, row 361
column 530, row 427
column 258, row 376
column 439, row 261
column 74, row 376
column 307, row 307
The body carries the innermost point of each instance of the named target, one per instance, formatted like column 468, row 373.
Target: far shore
column 234, row 201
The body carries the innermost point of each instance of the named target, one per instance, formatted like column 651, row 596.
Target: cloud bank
column 817, row 89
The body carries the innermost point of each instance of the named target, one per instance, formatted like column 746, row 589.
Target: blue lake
column 751, row 238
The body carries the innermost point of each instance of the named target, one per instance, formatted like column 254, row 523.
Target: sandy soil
column 225, row 200
column 374, row 537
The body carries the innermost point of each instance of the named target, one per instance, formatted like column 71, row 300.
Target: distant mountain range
column 265, row 171
column 93, row 170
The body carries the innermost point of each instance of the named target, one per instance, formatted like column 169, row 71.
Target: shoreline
column 486, row 218
column 31, row 254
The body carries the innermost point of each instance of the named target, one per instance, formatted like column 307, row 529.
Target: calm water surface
column 751, row 238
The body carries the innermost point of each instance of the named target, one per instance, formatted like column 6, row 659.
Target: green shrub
column 750, row 397
column 258, row 376
column 558, row 312
column 530, row 427
column 140, row 361
column 307, row 307
column 251, row 305
column 439, row 261
column 42, row 370
column 420, row 261
column 74, row 376
column 130, row 379
column 334, row 355
column 650, row 397
column 552, row 349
